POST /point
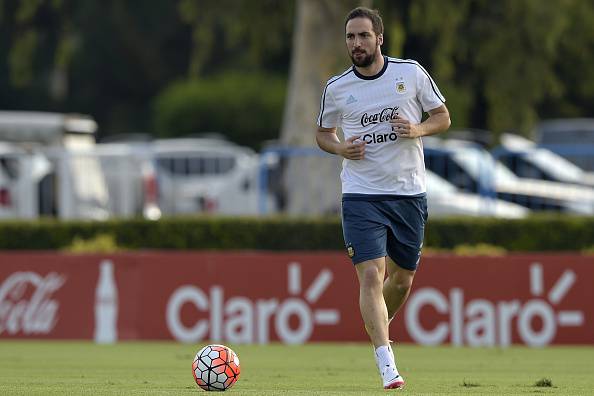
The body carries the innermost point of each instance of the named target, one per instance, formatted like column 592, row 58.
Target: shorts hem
column 359, row 260
column 406, row 267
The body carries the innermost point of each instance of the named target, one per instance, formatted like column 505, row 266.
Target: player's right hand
column 353, row 148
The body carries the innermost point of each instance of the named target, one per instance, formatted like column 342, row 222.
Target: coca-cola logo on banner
column 482, row 322
column 26, row 305
column 240, row 319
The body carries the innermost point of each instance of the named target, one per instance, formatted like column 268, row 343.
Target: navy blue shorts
column 379, row 226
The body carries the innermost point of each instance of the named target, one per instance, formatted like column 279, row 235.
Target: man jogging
column 379, row 103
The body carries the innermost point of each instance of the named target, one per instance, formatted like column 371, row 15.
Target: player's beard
column 365, row 61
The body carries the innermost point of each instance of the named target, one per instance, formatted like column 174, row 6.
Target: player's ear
column 380, row 39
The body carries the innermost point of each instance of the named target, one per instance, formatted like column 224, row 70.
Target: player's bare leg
column 375, row 316
column 371, row 300
column 396, row 287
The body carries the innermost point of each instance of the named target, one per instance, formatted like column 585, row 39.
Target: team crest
column 350, row 250
column 400, row 87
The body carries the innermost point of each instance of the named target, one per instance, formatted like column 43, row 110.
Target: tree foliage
column 245, row 108
column 105, row 58
column 503, row 62
column 237, row 34
column 502, row 65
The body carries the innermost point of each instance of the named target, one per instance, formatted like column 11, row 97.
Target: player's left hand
column 404, row 128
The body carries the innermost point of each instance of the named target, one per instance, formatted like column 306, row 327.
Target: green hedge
column 537, row 233
column 178, row 233
column 540, row 233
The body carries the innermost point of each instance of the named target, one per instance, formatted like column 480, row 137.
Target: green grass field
column 164, row 368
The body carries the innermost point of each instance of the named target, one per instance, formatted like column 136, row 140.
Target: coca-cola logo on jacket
column 26, row 305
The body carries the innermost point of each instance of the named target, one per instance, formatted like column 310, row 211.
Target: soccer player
column 379, row 103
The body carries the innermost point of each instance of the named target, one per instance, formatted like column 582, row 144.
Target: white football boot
column 384, row 359
column 391, row 378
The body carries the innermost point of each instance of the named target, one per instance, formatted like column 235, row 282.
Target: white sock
column 384, row 356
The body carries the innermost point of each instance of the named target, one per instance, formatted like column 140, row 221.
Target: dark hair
column 372, row 15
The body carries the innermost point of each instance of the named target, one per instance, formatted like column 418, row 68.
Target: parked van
column 206, row 175
column 54, row 171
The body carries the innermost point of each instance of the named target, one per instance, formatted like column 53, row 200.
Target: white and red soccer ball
column 215, row 368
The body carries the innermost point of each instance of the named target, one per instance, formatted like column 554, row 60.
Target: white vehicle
column 131, row 177
column 526, row 159
column 473, row 169
column 21, row 175
column 203, row 175
column 55, row 170
column 444, row 199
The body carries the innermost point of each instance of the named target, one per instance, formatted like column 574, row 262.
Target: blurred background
column 124, row 109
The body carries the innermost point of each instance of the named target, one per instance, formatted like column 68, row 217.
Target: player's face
column 362, row 42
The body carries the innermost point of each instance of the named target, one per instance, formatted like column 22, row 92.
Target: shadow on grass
column 544, row 383
column 468, row 384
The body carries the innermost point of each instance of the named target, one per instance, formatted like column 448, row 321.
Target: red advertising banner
column 293, row 297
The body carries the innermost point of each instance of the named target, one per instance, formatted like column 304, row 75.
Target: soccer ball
column 215, row 368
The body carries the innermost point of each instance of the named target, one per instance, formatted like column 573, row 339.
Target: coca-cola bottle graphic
column 106, row 305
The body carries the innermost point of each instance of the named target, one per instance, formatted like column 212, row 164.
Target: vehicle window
column 543, row 164
column 10, row 166
column 165, row 164
column 210, row 166
column 444, row 166
column 197, row 166
column 225, row 164
column 179, row 166
column 523, row 168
